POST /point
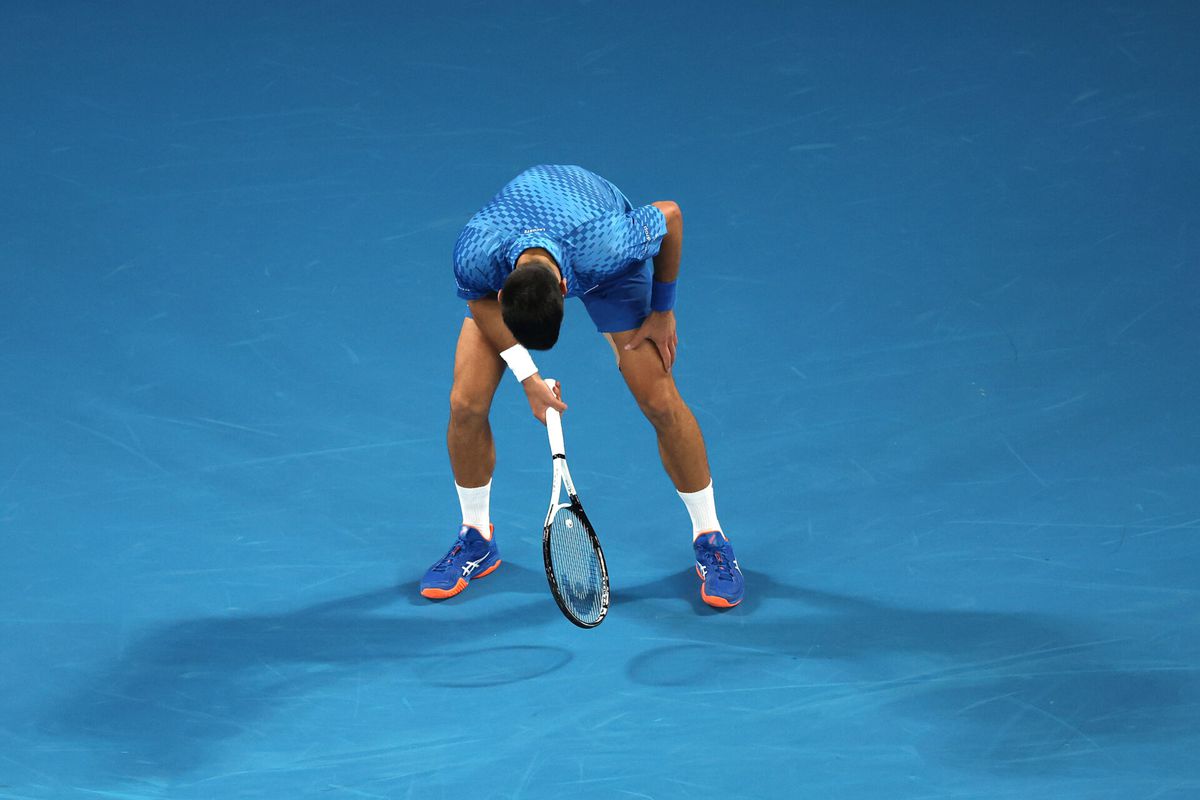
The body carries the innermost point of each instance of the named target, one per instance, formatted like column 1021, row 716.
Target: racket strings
column 576, row 565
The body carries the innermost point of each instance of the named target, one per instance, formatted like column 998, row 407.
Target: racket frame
column 562, row 477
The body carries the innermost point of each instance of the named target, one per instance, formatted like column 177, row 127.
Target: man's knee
column 467, row 406
column 662, row 406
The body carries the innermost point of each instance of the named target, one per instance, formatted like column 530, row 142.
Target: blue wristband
column 662, row 296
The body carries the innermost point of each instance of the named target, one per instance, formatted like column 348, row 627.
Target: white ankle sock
column 475, row 507
column 702, row 508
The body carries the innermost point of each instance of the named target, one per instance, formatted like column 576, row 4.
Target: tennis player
column 555, row 232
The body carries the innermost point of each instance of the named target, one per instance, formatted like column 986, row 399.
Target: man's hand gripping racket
column 542, row 395
column 574, row 561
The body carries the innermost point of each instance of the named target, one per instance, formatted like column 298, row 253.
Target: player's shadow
column 176, row 693
column 1007, row 691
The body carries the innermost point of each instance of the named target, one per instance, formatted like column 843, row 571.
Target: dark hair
column 531, row 304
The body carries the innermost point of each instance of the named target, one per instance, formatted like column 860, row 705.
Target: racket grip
column 554, row 426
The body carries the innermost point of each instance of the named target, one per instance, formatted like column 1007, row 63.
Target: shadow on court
column 977, row 690
column 998, row 691
column 176, row 694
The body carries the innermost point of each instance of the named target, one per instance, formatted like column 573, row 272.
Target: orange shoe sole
column 442, row 594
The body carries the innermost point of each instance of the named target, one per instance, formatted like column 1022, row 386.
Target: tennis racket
column 574, row 561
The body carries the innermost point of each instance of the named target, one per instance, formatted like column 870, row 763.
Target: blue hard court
column 939, row 322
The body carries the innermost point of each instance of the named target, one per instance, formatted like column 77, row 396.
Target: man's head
column 531, row 302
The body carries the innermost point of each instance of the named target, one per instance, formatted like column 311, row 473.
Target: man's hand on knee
column 659, row 328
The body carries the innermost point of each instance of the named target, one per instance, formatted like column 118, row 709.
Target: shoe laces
column 715, row 560
column 444, row 564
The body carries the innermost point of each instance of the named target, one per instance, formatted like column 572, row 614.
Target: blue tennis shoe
column 471, row 556
column 721, row 582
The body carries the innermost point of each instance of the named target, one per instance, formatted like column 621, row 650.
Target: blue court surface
column 939, row 322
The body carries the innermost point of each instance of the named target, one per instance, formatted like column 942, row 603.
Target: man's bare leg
column 680, row 443
column 477, row 372
column 681, row 446
column 478, row 369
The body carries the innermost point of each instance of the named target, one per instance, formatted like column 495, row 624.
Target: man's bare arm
column 666, row 263
column 486, row 313
column 659, row 327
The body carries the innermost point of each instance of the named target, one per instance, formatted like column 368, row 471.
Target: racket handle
column 554, row 427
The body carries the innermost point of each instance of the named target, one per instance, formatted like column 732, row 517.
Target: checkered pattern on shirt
column 582, row 219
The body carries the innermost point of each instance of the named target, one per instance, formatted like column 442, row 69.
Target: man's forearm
column 486, row 314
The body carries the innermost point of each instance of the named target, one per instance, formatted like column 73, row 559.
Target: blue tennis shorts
column 622, row 305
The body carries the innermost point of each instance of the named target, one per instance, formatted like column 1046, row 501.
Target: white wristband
column 519, row 361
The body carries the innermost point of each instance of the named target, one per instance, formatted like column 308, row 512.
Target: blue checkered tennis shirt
column 586, row 223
